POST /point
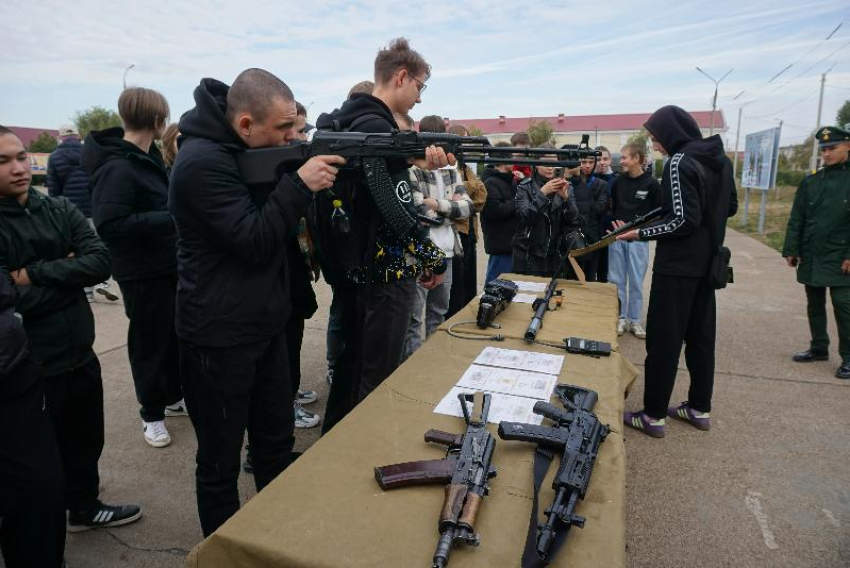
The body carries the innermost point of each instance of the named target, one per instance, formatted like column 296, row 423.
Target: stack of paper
column 515, row 379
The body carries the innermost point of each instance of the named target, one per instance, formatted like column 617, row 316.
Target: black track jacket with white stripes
column 697, row 189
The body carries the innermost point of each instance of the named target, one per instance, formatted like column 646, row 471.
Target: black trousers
column 229, row 390
column 589, row 264
column 602, row 265
column 464, row 275
column 374, row 325
column 152, row 343
column 32, row 501
column 74, row 401
column 681, row 309
column 294, row 339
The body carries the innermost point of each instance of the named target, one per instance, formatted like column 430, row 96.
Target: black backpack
column 343, row 256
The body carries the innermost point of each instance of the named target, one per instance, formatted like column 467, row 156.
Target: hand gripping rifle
column 577, row 434
column 608, row 239
column 267, row 165
column 368, row 153
column 465, row 469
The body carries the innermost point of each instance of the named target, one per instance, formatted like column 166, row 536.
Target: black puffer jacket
column 498, row 218
column 233, row 282
column 591, row 198
column 698, row 190
column 541, row 222
column 41, row 237
column 66, row 176
column 13, row 338
column 130, row 205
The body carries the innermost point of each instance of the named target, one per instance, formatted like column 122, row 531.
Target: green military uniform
column 819, row 232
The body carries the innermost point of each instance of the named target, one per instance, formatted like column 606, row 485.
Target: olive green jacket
column 819, row 227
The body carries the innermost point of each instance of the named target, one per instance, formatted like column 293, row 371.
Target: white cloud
column 489, row 58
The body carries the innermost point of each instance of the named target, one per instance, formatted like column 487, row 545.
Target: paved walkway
column 769, row 486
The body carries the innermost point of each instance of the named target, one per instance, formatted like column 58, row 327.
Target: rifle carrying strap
column 530, row 559
column 387, row 198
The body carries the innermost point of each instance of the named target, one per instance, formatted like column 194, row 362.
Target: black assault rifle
column 541, row 305
column 465, row 469
column 577, row 434
column 267, row 165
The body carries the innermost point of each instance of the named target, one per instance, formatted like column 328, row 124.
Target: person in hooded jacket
column 373, row 270
column 51, row 254
column 498, row 217
column 698, row 195
column 130, row 206
column 546, row 211
column 233, row 291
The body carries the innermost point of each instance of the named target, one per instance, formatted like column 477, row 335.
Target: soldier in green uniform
column 817, row 242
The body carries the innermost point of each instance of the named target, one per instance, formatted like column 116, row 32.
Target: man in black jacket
column 66, row 177
column 591, row 198
column 233, row 299
column 52, row 253
column 376, row 290
column 698, row 194
column 498, row 218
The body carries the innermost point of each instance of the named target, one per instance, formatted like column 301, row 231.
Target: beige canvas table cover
column 327, row 510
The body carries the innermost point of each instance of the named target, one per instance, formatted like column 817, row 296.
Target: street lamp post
column 125, row 73
column 714, row 99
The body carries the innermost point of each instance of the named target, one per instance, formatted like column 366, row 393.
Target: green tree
column 540, row 132
column 44, row 143
column 95, row 118
column 801, row 155
column 843, row 116
column 641, row 137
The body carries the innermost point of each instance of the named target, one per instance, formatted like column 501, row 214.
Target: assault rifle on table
column 541, row 305
column 612, row 236
column 577, row 434
column 465, row 469
column 267, row 165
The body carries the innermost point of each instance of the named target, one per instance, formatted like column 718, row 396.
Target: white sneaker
column 177, row 409
column 305, row 418
column 638, row 330
column 621, row 326
column 156, row 434
column 306, row 396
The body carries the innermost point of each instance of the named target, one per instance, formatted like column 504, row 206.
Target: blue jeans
column 498, row 264
column 627, row 264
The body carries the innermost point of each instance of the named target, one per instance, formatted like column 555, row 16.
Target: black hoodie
column 13, row 338
column 130, row 205
column 698, row 194
column 233, row 286
column 372, row 252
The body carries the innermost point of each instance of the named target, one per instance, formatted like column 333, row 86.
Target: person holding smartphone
column 546, row 210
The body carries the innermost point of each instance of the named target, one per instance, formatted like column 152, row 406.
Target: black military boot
column 843, row 371
column 808, row 356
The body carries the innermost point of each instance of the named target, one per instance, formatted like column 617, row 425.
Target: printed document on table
column 522, row 360
column 508, row 381
column 524, row 298
column 502, row 407
column 531, row 286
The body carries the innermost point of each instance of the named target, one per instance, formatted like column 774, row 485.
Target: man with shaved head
column 233, row 298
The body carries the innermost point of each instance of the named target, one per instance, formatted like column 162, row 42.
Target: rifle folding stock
column 267, row 165
column 576, row 434
column 466, row 469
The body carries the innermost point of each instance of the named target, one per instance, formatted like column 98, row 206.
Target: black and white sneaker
column 102, row 516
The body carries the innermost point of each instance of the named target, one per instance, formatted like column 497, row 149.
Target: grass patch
column 779, row 202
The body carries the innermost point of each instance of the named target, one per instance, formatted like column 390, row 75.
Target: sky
column 489, row 58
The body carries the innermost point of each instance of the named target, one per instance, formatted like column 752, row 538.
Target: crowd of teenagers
column 217, row 278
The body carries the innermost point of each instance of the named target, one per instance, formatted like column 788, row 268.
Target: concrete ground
column 768, row 486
